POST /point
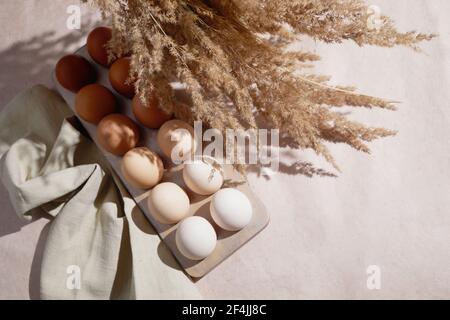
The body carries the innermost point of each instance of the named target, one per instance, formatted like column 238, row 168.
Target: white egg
column 168, row 203
column 195, row 238
column 202, row 177
column 231, row 209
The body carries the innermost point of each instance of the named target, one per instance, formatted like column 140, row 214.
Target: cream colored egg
column 195, row 238
column 142, row 168
column 168, row 203
column 176, row 140
column 231, row 209
column 202, row 177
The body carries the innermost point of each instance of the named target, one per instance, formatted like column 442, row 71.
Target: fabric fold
column 100, row 245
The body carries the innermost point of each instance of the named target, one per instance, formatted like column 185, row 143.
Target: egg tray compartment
column 227, row 242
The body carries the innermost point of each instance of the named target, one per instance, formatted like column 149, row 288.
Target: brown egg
column 149, row 115
column 96, row 44
column 118, row 75
column 93, row 102
column 117, row 134
column 74, row 72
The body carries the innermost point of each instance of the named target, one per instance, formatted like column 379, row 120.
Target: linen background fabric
column 47, row 164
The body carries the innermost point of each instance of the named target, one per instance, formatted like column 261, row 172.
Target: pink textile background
column 390, row 209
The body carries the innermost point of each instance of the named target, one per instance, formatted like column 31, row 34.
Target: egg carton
column 227, row 242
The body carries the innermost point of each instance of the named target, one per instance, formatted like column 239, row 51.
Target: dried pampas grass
column 232, row 53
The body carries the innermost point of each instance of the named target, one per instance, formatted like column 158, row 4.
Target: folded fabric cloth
column 100, row 245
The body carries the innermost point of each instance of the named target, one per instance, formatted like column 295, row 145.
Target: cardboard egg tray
column 227, row 242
